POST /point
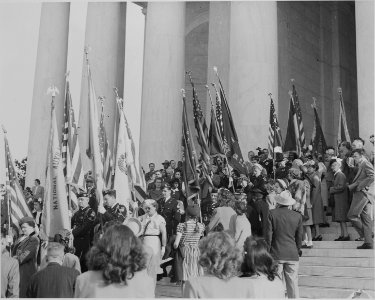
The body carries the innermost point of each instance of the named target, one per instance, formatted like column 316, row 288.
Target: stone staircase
column 336, row 269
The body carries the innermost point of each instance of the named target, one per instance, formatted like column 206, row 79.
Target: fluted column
column 364, row 16
column 163, row 78
column 105, row 37
column 50, row 70
column 246, row 55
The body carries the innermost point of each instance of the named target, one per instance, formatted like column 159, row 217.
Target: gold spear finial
column 270, row 95
column 3, row 127
column 339, row 90
column 292, row 80
column 52, row 90
column 314, row 102
column 183, row 93
column 290, row 93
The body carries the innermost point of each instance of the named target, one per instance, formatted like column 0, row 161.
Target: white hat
column 135, row 225
column 285, row 198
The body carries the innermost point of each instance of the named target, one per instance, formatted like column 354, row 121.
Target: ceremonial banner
column 71, row 154
column 15, row 205
column 189, row 157
column 94, row 136
column 55, row 208
column 318, row 141
column 229, row 135
column 295, row 135
column 214, row 139
column 274, row 132
column 105, row 152
column 122, row 183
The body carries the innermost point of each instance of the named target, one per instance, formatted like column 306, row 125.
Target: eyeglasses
column 147, row 208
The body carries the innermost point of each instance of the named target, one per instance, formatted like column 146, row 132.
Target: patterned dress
column 191, row 232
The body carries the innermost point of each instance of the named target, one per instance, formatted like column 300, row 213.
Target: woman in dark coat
column 340, row 194
column 25, row 251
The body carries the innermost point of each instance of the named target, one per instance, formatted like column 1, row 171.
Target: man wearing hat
column 83, row 222
column 166, row 164
column 113, row 211
column 284, row 238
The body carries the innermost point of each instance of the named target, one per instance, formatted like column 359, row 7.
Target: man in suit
column 363, row 197
column 10, row 274
column 54, row 281
column 38, row 190
column 83, row 222
column 284, row 238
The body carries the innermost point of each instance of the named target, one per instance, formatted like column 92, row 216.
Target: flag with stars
column 297, row 108
column 318, row 141
column 106, row 155
column 189, row 158
column 274, row 132
column 14, row 197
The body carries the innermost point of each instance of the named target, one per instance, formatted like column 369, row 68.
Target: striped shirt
column 189, row 234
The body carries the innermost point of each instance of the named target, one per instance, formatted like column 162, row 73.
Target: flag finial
column 290, row 93
column 183, row 93
column 53, row 91
column 3, row 127
column 292, row 80
column 339, row 90
column 314, row 103
column 270, row 95
column 215, row 69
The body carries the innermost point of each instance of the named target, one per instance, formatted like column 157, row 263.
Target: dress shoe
column 339, row 238
column 360, row 239
column 346, row 238
column 306, row 247
column 366, row 246
column 324, row 225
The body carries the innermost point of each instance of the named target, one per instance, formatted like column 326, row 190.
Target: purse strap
column 144, row 231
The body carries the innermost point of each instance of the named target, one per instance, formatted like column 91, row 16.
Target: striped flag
column 343, row 132
column 297, row 108
column 71, row 154
column 202, row 131
column 274, row 132
column 295, row 135
column 214, row 139
column 105, row 152
column 18, row 207
column 189, row 157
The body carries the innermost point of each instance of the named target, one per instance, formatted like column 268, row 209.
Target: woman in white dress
column 153, row 226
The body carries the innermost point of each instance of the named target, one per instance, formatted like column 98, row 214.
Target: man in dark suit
column 54, row 281
column 38, row 190
column 83, row 222
column 363, row 198
column 284, row 238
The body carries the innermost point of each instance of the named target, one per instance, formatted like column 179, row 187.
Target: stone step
column 350, row 253
column 337, row 244
column 320, row 293
column 357, row 272
column 337, row 282
column 337, row 261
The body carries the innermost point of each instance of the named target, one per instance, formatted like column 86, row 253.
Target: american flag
column 298, row 112
column 71, row 157
column 273, row 130
column 343, row 132
column 219, row 114
column 105, row 152
column 18, row 206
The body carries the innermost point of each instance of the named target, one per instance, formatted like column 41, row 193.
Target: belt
column 150, row 235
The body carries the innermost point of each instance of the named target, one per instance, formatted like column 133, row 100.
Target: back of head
column 219, row 255
column 257, row 259
column 55, row 252
column 118, row 254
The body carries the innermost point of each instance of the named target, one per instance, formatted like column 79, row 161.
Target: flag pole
column 68, row 185
column 7, row 190
column 273, row 142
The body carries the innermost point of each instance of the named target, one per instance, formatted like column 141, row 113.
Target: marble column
column 247, row 53
column 105, row 37
column 163, row 78
column 364, row 16
column 50, row 70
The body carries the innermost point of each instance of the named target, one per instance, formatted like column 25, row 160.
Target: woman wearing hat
column 187, row 238
column 25, row 251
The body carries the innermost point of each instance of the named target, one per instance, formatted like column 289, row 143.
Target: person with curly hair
column 221, row 261
column 117, row 268
column 260, row 270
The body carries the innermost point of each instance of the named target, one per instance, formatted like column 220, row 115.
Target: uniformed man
column 168, row 209
column 266, row 162
column 83, row 222
column 112, row 210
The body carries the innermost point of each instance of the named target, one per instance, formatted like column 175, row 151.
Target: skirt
column 154, row 243
column 190, row 265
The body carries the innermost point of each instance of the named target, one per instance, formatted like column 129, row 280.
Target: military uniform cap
column 83, row 195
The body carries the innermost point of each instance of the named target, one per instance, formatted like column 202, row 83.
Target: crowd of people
column 241, row 238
